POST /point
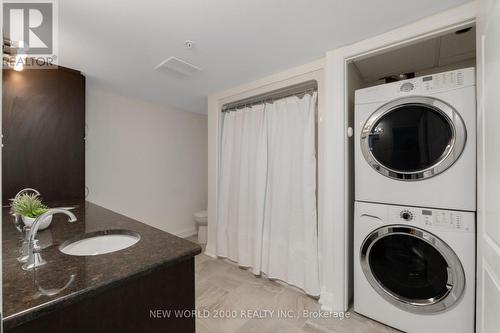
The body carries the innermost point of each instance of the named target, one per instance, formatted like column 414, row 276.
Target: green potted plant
column 29, row 206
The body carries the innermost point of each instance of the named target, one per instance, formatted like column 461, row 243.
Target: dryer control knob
column 406, row 215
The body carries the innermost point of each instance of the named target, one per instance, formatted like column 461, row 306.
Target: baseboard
column 326, row 301
column 186, row 233
column 328, row 304
column 209, row 252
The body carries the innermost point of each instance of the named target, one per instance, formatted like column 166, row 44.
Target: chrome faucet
column 34, row 258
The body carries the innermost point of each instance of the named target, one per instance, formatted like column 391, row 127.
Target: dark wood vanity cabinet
column 43, row 129
column 161, row 301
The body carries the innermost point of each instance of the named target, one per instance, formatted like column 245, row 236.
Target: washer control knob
column 406, row 215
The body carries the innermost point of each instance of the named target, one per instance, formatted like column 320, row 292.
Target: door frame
column 337, row 189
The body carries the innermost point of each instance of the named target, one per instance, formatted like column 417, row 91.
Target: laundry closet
column 412, row 162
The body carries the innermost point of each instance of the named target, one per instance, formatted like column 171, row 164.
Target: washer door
column 412, row 269
column 413, row 138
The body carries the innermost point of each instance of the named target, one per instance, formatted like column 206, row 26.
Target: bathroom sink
column 99, row 242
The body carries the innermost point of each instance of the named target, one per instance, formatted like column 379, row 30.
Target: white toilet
column 202, row 222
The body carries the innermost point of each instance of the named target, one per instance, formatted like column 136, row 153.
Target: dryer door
column 413, row 138
column 412, row 269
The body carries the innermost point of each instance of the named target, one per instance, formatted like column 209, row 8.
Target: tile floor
column 224, row 292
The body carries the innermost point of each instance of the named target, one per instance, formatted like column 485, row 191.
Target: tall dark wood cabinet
column 43, row 128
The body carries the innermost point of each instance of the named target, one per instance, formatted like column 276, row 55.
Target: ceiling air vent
column 179, row 66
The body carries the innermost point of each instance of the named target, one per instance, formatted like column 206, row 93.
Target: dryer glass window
column 410, row 138
column 409, row 267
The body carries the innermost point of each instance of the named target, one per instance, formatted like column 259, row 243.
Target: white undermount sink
column 99, row 242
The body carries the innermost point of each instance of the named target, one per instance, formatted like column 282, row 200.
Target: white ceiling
column 118, row 43
column 437, row 52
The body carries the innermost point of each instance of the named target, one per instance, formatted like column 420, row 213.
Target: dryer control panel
column 428, row 218
column 448, row 80
column 422, row 85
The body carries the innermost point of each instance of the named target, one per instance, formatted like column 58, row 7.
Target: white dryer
column 415, row 142
column 414, row 267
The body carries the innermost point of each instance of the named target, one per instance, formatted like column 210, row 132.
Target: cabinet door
column 44, row 127
column 488, row 237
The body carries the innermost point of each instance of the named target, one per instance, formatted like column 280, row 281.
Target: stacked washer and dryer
column 415, row 202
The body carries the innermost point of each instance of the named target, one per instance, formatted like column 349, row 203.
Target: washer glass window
column 412, row 269
column 409, row 267
column 413, row 138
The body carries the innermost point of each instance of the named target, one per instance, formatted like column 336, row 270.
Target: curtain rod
column 294, row 90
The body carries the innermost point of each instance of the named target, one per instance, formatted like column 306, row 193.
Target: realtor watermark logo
column 29, row 33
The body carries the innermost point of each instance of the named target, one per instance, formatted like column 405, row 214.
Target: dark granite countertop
column 25, row 292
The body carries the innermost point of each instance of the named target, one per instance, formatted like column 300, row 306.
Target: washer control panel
column 431, row 218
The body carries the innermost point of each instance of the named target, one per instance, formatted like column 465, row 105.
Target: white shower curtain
column 290, row 239
column 242, row 186
column 267, row 191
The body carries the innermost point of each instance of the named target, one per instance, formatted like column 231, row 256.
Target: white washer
column 415, row 142
column 414, row 268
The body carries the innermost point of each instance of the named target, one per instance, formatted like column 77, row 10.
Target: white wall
column 146, row 161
